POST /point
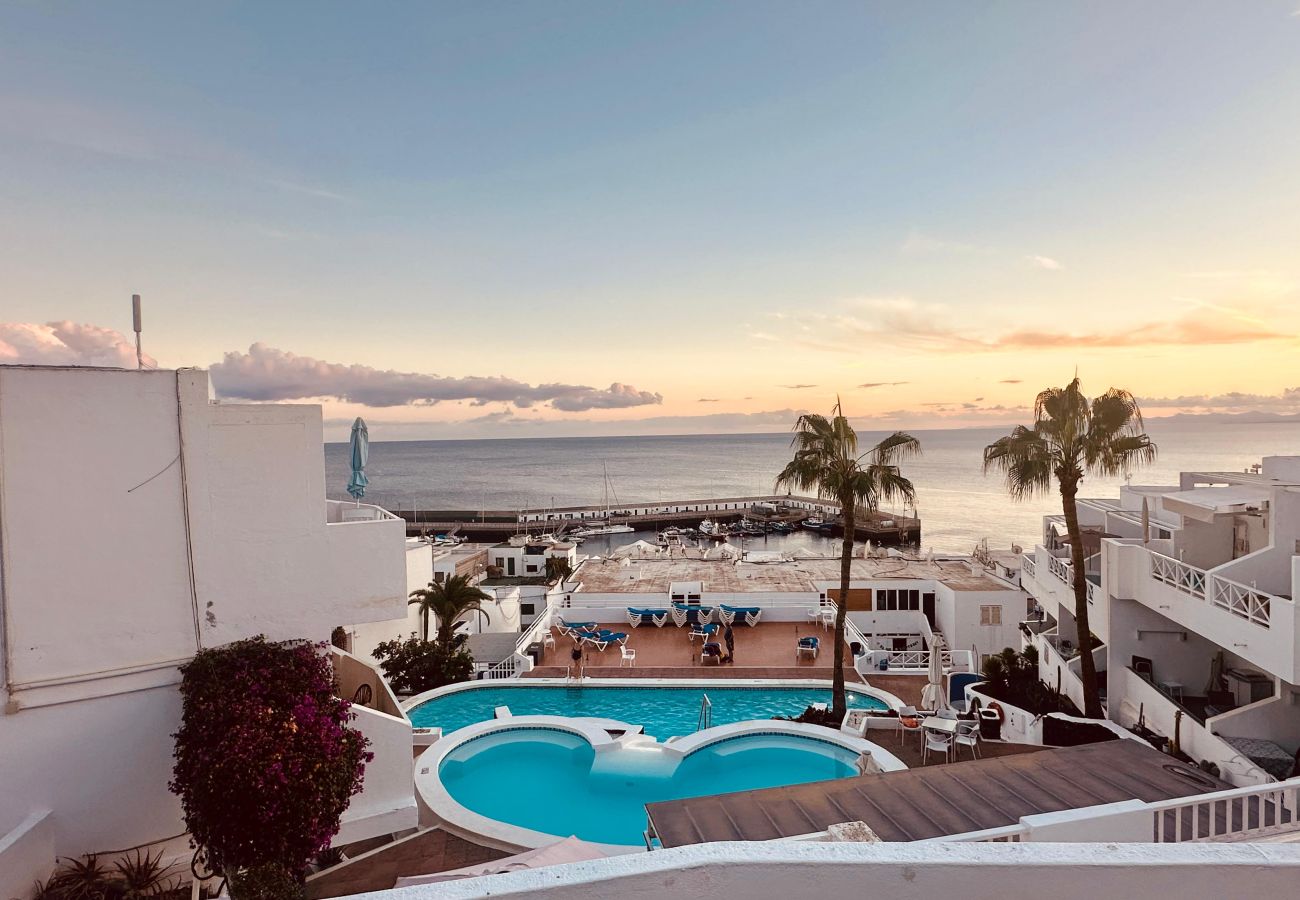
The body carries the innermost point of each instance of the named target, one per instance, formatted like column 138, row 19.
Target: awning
column 1203, row 503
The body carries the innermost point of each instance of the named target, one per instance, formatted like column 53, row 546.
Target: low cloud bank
column 266, row 374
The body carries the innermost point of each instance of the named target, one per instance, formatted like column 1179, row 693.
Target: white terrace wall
column 900, row 871
column 419, row 572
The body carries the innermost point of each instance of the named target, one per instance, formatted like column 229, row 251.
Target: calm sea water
column 958, row 505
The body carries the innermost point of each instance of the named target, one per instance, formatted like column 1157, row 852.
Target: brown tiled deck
column 430, row 851
column 909, row 751
column 769, row 645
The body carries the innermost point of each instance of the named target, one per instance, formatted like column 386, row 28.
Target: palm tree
column 826, row 460
column 558, row 569
column 450, row 602
column 1073, row 436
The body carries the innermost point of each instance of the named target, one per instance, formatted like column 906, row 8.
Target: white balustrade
column 1178, row 575
column 1253, row 605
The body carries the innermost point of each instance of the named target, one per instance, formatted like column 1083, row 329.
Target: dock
column 879, row 527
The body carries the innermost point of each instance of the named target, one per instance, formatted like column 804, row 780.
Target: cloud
column 492, row 424
column 1011, row 381
column 904, row 323
column 1044, row 262
column 876, row 384
column 265, row 373
column 1286, row 400
column 1189, row 329
column 66, row 344
column 797, row 387
column 707, row 400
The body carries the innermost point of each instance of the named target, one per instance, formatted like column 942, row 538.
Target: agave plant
column 81, row 879
column 142, row 875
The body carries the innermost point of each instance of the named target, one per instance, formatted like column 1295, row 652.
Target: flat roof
column 726, row 576
column 935, row 801
column 492, row 647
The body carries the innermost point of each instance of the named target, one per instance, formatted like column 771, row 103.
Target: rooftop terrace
column 723, row 576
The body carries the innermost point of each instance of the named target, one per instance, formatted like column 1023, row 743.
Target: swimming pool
column 554, row 781
column 661, row 711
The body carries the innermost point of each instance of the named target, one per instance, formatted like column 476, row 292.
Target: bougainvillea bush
column 265, row 759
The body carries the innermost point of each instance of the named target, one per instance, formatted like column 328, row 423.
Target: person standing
column 729, row 638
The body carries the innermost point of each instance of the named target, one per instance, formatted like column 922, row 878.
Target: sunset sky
column 499, row 219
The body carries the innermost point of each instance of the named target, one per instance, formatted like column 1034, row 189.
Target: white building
column 1196, row 619
column 140, row 521
column 897, row 607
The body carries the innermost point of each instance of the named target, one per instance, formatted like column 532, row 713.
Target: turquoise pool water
column 662, row 712
column 554, row 782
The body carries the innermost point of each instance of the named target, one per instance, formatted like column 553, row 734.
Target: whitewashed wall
column 102, row 595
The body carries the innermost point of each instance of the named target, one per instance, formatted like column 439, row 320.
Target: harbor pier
column 879, row 527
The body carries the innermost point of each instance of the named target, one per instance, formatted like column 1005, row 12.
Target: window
column 438, row 577
column 531, row 567
column 510, row 566
column 527, row 609
column 990, row 615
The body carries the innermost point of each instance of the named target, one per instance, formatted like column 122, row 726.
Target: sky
column 524, row 219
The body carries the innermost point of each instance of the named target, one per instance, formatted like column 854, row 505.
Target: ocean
column 957, row 504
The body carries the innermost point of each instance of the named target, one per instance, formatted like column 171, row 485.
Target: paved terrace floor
column 668, row 652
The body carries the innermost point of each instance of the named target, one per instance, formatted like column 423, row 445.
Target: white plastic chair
column 907, row 712
column 628, row 658
column 968, row 735
column 939, row 742
column 949, row 714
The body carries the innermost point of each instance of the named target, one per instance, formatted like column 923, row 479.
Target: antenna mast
column 135, row 322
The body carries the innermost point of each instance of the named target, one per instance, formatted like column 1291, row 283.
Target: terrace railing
column 1243, row 601
column 1237, row 814
column 1178, row 575
column 510, row 667
column 1060, row 568
column 1246, row 602
column 1240, row 814
column 1027, row 565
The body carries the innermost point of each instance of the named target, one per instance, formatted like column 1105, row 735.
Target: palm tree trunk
column 424, row 624
column 1087, row 668
column 839, row 703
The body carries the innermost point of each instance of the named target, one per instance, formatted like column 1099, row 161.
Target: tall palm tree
column 1073, row 436
column 450, row 602
column 826, row 460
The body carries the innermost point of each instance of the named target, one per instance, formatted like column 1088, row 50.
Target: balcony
column 387, row 801
column 1164, row 715
column 363, row 574
column 1251, row 623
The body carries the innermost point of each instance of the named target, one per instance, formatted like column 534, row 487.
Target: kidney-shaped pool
column 553, row 781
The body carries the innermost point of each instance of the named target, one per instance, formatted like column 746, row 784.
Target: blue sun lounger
column 747, row 614
column 602, row 639
column 809, row 645
column 656, row 617
column 704, row 631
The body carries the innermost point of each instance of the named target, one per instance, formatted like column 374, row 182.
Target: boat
column 598, row 527
column 604, row 524
column 710, row 529
column 816, row 523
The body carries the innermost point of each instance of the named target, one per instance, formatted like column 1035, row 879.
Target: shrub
column 265, row 760
column 413, row 666
column 1013, row 678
